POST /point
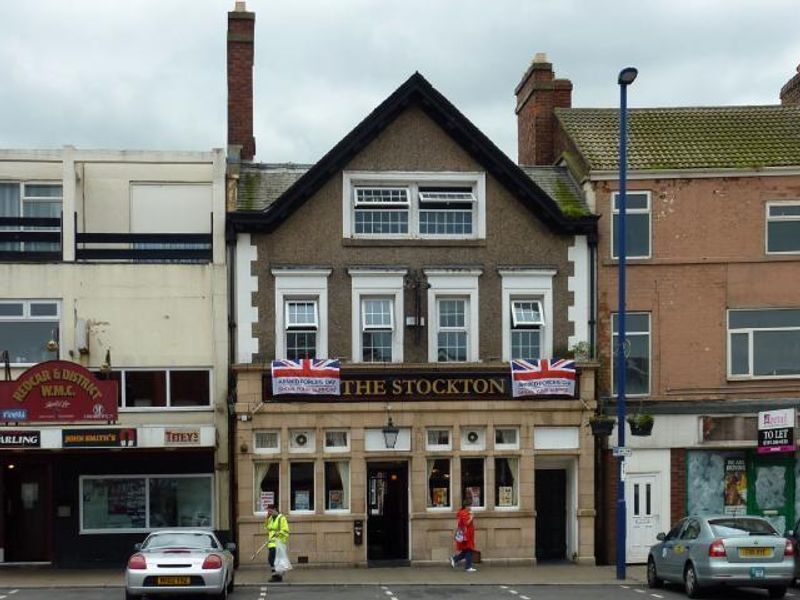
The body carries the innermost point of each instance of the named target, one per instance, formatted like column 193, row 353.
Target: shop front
column 376, row 475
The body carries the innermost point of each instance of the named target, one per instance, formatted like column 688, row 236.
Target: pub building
column 419, row 259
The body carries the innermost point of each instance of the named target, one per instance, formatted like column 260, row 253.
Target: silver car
column 180, row 562
column 712, row 551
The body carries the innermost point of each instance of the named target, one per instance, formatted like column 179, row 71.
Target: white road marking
column 503, row 587
column 3, row 596
column 525, row 598
column 625, row 587
column 656, row 595
column 389, row 593
column 515, row 592
column 263, row 588
column 639, row 591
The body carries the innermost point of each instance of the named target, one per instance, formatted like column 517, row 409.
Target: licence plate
column 755, row 552
column 757, row 572
column 173, row 580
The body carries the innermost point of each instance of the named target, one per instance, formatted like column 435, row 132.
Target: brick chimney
column 537, row 95
column 790, row 93
column 241, row 35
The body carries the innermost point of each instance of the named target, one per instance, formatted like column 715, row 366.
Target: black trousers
column 271, row 560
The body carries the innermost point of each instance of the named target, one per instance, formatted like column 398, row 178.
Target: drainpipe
column 592, row 295
column 230, row 243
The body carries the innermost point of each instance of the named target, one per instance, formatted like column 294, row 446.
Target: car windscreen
column 180, row 540
column 728, row 528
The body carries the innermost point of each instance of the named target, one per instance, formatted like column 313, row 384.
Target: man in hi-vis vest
column 277, row 528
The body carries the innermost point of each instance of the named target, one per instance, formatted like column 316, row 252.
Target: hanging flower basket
column 641, row 424
column 602, row 426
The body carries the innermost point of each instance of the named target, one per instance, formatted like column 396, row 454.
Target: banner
column 542, row 377
column 308, row 376
column 735, row 486
column 776, row 431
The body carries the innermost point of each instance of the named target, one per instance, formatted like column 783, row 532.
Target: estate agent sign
column 57, row 391
column 776, row 431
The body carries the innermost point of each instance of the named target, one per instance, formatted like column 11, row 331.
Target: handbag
column 460, row 535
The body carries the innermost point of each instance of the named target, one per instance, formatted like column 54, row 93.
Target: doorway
column 387, row 513
column 551, row 514
column 771, row 489
column 644, row 520
column 26, row 512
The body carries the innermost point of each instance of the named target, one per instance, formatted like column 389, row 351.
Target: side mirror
column 661, row 536
column 230, row 548
column 137, row 547
column 789, row 533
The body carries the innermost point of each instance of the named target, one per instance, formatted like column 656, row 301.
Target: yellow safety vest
column 277, row 527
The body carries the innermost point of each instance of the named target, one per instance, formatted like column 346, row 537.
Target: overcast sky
column 150, row 74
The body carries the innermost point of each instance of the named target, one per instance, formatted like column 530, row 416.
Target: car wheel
column 653, row 580
column 129, row 596
column 777, row 591
column 223, row 595
column 690, row 582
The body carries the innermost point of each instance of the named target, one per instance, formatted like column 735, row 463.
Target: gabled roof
column 416, row 91
column 720, row 137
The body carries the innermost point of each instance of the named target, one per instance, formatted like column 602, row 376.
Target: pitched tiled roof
column 557, row 183
column 735, row 137
column 261, row 184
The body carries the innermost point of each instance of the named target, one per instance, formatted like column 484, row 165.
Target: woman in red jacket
column 465, row 537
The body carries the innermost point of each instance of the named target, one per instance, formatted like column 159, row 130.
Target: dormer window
column 395, row 205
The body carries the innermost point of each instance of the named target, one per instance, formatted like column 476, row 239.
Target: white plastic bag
column 282, row 563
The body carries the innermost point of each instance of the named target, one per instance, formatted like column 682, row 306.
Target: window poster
column 505, row 495
column 267, row 499
column 474, row 494
column 335, row 499
column 439, row 496
column 735, row 486
column 302, row 500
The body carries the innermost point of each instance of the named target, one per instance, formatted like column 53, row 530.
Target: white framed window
column 26, row 329
column 302, row 440
column 438, row 439
column 473, row 438
column 159, row 389
column 337, row 486
column 453, row 315
column 637, row 353
column 764, row 343
column 137, row 503
column 440, row 485
column 266, row 485
column 638, row 227
column 31, row 199
column 267, row 442
column 302, row 483
column 377, row 309
column 506, row 438
column 527, row 304
column 337, row 440
column 506, row 482
column 783, row 227
column 301, row 313
column 473, row 481
column 407, row 205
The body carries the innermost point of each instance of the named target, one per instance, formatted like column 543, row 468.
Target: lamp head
column 627, row 76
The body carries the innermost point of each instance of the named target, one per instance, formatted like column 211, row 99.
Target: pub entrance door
column 387, row 513
column 26, row 511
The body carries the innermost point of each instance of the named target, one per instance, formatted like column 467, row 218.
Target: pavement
column 12, row 576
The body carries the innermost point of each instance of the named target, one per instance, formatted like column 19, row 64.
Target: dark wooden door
column 387, row 513
column 551, row 514
column 27, row 513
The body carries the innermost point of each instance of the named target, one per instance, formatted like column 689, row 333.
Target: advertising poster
column 439, row 496
column 335, row 499
column 474, row 492
column 302, row 500
column 505, row 495
column 267, row 499
column 735, row 486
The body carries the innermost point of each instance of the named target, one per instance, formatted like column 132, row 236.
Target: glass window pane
column 302, row 486
column 180, row 502
column 740, row 354
column 383, row 195
column 438, row 483
column 43, row 190
column 438, row 437
column 452, row 313
column 301, row 344
column 337, row 485
column 377, row 313
column 741, row 319
column 44, row 309
column 634, row 322
column 472, row 488
column 267, row 486
column 301, row 314
column 776, row 353
column 505, row 435
column 26, row 341
column 633, row 201
column 114, row 504
column 336, row 439
column 376, row 346
column 145, row 388
column 525, row 343
column 783, row 236
column 9, row 200
column 506, row 472
column 12, row 309
column 381, row 221
column 637, row 371
column 635, row 499
column 637, row 235
column 784, row 210
column 452, row 346
column 190, row 388
column 268, row 440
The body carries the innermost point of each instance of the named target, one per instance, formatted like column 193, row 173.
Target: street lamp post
column 626, row 77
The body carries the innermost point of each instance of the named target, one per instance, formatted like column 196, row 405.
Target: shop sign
column 98, row 438
column 776, row 431
column 181, row 437
column 20, row 439
column 58, row 391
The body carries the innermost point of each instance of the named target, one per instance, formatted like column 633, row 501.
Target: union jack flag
column 308, row 376
column 542, row 377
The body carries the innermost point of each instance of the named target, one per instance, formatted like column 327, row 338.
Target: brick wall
column 241, row 36
column 790, row 93
column 678, row 487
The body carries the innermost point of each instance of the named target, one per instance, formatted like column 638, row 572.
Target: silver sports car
column 711, row 551
column 180, row 562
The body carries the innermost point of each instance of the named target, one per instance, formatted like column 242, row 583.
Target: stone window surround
column 454, row 282
column 535, row 284
column 301, row 283
column 386, row 283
